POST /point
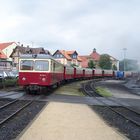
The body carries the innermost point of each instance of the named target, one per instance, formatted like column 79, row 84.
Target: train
column 38, row 72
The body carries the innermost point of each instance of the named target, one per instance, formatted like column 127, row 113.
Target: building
column 67, row 57
column 6, row 49
column 19, row 50
column 95, row 56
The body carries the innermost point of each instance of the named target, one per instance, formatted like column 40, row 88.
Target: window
column 26, row 64
column 74, row 56
column 41, row 65
column 57, row 55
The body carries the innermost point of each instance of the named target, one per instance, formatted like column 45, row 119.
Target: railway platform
column 69, row 121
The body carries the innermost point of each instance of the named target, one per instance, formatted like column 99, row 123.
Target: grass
column 70, row 89
column 103, row 92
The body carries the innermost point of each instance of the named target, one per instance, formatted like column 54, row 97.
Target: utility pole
column 124, row 62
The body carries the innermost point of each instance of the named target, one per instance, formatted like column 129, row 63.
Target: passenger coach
column 38, row 71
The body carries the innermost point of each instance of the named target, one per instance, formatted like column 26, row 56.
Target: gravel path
column 66, row 121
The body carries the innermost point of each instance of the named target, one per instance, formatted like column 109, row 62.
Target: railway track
column 10, row 94
column 12, row 108
column 125, row 111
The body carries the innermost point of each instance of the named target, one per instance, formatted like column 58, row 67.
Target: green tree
column 91, row 64
column 114, row 67
column 105, row 62
column 74, row 65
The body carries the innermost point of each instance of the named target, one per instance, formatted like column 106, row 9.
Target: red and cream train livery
column 41, row 71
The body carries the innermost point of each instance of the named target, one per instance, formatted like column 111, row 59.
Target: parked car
column 7, row 78
column 15, row 73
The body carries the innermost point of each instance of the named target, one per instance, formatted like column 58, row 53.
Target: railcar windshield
column 26, row 64
column 41, row 65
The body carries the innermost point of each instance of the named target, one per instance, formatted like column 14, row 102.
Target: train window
column 26, row 64
column 41, row 65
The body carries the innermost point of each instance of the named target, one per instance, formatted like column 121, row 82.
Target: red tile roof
column 70, row 52
column 65, row 54
column 2, row 55
column 95, row 56
column 84, row 59
column 5, row 45
column 79, row 59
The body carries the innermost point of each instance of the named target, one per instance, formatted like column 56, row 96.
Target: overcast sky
column 81, row 25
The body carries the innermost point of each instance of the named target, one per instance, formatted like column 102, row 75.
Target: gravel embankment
column 13, row 127
column 4, row 101
column 115, row 120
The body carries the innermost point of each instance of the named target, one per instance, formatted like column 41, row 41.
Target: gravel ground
column 13, row 127
column 4, row 101
column 113, row 119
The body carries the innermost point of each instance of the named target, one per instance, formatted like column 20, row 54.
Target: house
column 18, row 50
column 6, row 49
column 115, row 62
column 67, row 57
column 85, row 59
column 95, row 56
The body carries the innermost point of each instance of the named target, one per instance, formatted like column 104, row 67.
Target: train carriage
column 78, row 73
column 108, row 73
column 68, row 73
column 97, row 72
column 38, row 71
column 127, row 74
column 88, row 73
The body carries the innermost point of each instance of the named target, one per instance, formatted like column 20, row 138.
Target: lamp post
column 124, row 50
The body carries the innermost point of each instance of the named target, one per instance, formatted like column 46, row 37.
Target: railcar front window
column 41, row 65
column 26, row 65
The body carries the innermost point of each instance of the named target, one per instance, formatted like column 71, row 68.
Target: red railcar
column 108, row 73
column 97, row 72
column 68, row 73
column 78, row 73
column 38, row 71
column 88, row 73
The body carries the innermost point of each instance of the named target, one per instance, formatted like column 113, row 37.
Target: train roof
column 36, row 56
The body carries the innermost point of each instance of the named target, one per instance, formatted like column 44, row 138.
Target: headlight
column 23, row 79
column 44, row 79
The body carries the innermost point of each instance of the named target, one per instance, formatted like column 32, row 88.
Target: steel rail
column 5, row 105
column 16, row 112
column 13, row 114
column 93, row 88
column 126, row 117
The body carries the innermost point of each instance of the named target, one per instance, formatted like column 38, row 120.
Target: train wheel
column 28, row 91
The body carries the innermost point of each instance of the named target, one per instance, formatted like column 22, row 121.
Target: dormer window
column 74, row 56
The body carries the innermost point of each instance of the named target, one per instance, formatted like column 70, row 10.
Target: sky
column 81, row 25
